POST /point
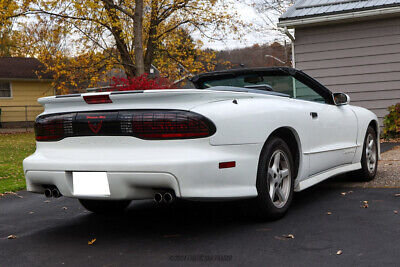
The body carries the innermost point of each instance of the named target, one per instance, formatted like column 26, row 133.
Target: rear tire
column 369, row 158
column 275, row 180
column 105, row 206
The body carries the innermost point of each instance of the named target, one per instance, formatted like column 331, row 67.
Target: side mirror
column 341, row 99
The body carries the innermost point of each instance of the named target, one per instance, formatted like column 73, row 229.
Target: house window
column 5, row 89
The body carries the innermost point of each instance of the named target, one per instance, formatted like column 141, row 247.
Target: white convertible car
column 250, row 133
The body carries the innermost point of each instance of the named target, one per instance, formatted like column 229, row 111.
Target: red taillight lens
column 166, row 124
column 144, row 124
column 97, row 99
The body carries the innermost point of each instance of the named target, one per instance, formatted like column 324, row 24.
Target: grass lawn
column 13, row 149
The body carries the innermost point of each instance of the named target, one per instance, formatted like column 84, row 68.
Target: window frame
column 296, row 97
column 299, row 75
column 11, row 91
column 313, row 84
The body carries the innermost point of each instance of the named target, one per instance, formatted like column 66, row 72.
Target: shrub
column 140, row 83
column 391, row 122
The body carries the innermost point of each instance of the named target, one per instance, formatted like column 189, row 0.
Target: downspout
column 291, row 37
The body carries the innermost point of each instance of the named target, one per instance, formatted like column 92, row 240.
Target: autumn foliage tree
column 100, row 35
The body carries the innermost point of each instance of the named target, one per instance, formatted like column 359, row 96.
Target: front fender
column 364, row 118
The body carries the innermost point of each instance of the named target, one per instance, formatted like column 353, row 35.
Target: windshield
column 275, row 82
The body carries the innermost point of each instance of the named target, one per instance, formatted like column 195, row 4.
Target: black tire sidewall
column 265, row 206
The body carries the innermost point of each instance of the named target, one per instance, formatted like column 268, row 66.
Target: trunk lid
column 183, row 99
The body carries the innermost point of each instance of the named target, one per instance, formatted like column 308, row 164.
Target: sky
column 248, row 15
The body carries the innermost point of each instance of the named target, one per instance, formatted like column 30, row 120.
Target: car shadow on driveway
column 145, row 219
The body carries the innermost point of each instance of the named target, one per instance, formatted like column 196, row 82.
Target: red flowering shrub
column 140, row 83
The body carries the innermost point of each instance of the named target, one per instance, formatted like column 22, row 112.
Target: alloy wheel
column 370, row 153
column 279, row 178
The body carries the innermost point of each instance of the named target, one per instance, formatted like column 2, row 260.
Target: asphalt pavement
column 386, row 146
column 322, row 220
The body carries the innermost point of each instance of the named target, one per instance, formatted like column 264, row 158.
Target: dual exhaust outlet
column 164, row 197
column 52, row 192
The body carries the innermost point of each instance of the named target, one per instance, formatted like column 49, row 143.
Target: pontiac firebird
column 250, row 133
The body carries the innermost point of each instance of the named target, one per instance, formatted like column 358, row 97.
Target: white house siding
column 358, row 58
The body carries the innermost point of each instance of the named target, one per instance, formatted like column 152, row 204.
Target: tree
column 103, row 29
column 269, row 11
column 180, row 52
column 7, row 42
column 265, row 55
column 138, row 37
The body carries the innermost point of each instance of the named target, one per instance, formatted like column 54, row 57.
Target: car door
column 332, row 130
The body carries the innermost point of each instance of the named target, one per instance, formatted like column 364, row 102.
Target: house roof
column 23, row 68
column 304, row 9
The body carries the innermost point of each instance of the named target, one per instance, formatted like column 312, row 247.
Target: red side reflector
column 97, row 99
column 229, row 164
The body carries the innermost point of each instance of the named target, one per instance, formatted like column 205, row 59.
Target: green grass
column 13, row 149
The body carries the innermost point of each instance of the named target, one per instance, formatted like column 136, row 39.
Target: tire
column 275, row 180
column 369, row 158
column 105, row 206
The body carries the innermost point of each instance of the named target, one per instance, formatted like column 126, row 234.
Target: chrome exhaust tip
column 168, row 198
column 56, row 193
column 48, row 192
column 158, row 197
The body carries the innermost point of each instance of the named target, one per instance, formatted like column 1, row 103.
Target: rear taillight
column 144, row 124
column 54, row 127
column 166, row 124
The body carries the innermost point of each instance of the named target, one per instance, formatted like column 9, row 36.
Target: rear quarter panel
column 252, row 120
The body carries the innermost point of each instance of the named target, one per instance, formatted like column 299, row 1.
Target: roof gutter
column 292, row 23
column 286, row 31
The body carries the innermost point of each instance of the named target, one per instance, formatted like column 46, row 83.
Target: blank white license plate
column 90, row 184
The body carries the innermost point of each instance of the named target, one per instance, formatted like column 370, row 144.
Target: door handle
column 314, row 115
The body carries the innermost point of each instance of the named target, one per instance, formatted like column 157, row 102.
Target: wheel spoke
column 373, row 158
column 277, row 160
column 279, row 193
column 271, row 172
column 272, row 191
column 370, row 144
column 284, row 173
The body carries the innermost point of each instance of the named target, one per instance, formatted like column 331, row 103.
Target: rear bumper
column 135, row 171
column 123, row 185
